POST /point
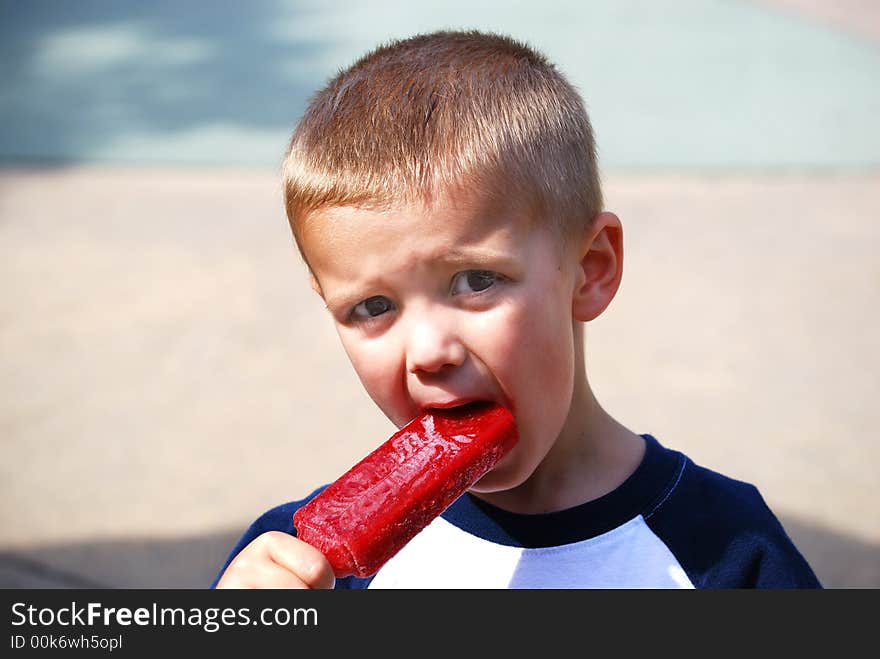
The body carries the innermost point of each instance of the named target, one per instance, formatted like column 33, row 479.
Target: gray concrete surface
column 700, row 84
column 167, row 374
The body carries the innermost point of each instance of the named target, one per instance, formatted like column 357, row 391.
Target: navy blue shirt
column 672, row 523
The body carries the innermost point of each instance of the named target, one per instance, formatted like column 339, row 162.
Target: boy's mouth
column 463, row 405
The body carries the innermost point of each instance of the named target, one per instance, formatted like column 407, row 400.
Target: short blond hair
column 439, row 113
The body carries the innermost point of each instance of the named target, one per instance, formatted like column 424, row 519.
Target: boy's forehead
column 463, row 214
column 437, row 230
column 430, row 233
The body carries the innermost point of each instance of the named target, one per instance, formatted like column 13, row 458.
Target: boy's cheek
column 539, row 367
column 366, row 356
column 374, row 376
column 536, row 341
column 380, row 376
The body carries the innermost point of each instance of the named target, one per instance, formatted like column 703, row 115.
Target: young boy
column 445, row 196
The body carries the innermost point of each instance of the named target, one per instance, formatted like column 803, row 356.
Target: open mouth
column 466, row 407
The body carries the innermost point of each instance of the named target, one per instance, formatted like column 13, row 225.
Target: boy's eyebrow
column 458, row 256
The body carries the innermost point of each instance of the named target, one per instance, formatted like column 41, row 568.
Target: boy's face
column 442, row 306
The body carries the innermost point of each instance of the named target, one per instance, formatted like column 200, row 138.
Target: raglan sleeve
column 724, row 535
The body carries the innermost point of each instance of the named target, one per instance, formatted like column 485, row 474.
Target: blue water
column 685, row 85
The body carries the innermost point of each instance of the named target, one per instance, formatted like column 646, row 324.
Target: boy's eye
column 372, row 307
column 473, row 281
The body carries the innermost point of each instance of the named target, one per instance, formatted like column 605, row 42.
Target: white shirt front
column 444, row 556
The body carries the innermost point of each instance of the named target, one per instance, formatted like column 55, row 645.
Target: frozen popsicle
column 369, row 513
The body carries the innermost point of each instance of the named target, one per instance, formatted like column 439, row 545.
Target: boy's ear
column 600, row 268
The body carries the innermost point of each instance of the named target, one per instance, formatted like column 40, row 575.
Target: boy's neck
column 593, row 455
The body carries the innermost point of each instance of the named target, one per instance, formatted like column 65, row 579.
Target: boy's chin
column 499, row 479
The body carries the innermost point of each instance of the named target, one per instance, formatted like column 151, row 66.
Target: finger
column 256, row 574
column 299, row 557
column 254, row 567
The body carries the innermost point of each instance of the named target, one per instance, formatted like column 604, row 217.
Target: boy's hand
column 277, row 560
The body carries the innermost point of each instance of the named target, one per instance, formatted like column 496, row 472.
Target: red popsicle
column 369, row 513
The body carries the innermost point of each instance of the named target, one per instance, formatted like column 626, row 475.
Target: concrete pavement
column 168, row 374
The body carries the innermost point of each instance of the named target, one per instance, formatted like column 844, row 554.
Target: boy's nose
column 432, row 345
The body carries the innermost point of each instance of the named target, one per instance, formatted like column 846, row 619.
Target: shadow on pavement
column 840, row 561
column 88, row 78
column 190, row 562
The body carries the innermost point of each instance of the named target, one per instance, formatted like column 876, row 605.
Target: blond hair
column 439, row 113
